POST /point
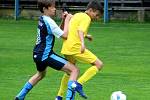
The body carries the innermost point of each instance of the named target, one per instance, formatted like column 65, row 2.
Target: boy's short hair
column 95, row 5
column 45, row 3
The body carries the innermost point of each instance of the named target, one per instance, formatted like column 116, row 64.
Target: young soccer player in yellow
column 74, row 48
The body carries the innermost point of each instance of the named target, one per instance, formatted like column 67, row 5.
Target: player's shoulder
column 82, row 15
column 48, row 19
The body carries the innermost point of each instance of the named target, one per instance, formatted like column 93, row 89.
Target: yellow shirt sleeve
column 84, row 24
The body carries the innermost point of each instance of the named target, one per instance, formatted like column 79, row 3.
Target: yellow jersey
column 79, row 21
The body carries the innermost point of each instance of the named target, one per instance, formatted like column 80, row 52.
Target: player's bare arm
column 63, row 16
column 66, row 25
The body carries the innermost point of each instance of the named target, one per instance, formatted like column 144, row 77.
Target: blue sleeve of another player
column 52, row 27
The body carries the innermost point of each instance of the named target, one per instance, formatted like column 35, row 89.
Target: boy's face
column 94, row 14
column 50, row 11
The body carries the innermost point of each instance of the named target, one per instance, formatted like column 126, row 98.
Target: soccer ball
column 118, row 95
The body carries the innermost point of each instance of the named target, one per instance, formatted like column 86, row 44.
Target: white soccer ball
column 118, row 95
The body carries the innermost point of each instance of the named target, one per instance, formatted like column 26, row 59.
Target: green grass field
column 123, row 47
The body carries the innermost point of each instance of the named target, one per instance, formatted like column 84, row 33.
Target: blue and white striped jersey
column 46, row 32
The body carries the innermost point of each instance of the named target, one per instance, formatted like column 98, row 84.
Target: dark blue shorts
column 54, row 61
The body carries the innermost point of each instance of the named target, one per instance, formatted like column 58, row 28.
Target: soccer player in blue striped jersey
column 43, row 54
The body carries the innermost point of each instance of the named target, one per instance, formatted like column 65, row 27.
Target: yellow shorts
column 86, row 57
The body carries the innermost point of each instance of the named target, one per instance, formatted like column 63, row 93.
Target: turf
column 124, row 49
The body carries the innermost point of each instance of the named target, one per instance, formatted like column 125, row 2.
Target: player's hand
column 64, row 14
column 82, row 48
column 89, row 37
column 68, row 17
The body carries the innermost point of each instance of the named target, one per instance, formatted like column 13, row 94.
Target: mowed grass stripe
column 123, row 47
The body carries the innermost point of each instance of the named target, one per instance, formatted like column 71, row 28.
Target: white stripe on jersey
column 55, row 29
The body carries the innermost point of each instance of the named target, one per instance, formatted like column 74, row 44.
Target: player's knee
column 41, row 75
column 74, row 69
column 98, row 64
column 70, row 68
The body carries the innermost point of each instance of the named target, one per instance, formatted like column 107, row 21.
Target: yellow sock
column 63, row 85
column 88, row 74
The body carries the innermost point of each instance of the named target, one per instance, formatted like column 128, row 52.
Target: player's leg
column 64, row 80
column 69, row 68
column 63, row 87
column 69, row 78
column 89, row 57
column 90, row 72
column 59, row 63
column 41, row 72
column 30, row 84
column 73, row 85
